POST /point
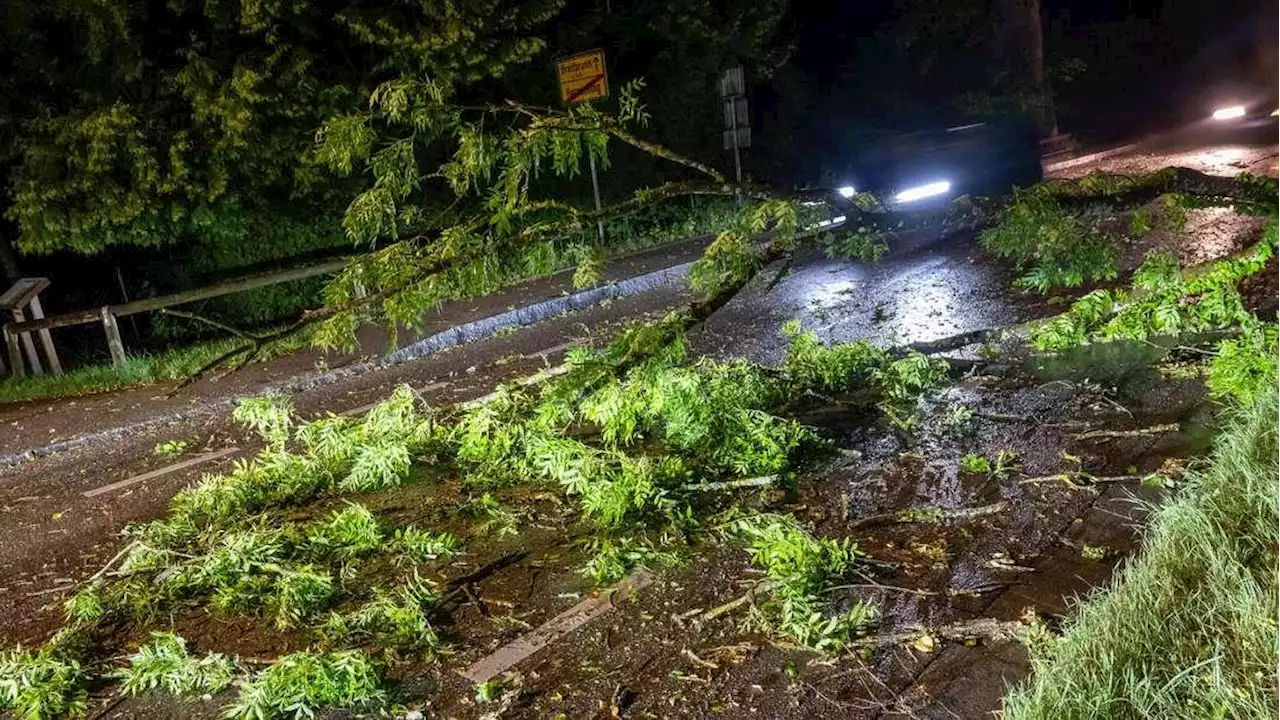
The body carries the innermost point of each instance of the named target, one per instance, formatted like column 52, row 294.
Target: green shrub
column 1054, row 247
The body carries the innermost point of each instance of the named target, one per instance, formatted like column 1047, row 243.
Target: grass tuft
column 1188, row 627
column 176, row 364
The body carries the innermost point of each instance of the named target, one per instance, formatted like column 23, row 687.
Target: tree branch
column 662, row 152
column 210, row 322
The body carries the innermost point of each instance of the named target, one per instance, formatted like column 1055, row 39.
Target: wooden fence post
column 114, row 343
column 17, row 369
column 37, row 313
column 22, row 296
column 29, row 346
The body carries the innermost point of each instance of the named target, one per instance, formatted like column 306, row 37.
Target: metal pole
column 114, row 343
column 737, row 156
column 595, row 190
column 124, row 294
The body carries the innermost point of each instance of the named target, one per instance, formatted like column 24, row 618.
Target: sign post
column 583, row 78
column 737, row 120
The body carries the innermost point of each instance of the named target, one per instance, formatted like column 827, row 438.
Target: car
column 1237, row 115
column 927, row 168
column 1254, row 112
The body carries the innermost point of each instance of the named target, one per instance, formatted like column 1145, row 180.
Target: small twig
column 1004, row 417
column 114, row 559
column 782, row 272
column 971, row 592
column 878, row 586
column 1139, row 432
column 699, row 661
column 1080, row 479
column 1116, row 405
column 713, row 613
column 1009, row 567
column 732, row 484
column 1068, row 423
column 860, row 706
column 985, row 628
column 256, row 660
column 100, row 712
column 931, row 515
column 728, row 607
column 50, row 591
column 209, row 366
column 954, row 342
column 212, row 323
column 1188, row 348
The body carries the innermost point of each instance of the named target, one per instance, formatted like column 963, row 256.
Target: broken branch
column 984, row 628
column 1139, row 432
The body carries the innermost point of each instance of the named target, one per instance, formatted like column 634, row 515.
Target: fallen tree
column 422, row 254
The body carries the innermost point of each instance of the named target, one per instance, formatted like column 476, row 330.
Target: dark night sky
column 1137, row 52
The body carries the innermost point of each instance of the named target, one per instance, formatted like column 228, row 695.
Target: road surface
column 1205, row 148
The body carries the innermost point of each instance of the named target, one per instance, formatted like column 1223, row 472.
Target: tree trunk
column 9, row 259
column 1020, row 47
column 1267, row 50
column 1035, row 39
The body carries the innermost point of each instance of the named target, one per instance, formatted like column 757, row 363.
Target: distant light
column 923, row 191
column 1230, row 154
column 1229, row 113
column 833, row 221
column 1275, row 113
column 847, row 191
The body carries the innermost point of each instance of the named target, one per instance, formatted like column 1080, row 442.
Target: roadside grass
column 174, row 364
column 1188, row 627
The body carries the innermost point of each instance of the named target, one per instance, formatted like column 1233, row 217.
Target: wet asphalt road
column 949, row 287
column 1209, row 149
column 943, row 290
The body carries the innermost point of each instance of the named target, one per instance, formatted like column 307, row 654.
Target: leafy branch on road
column 621, row 434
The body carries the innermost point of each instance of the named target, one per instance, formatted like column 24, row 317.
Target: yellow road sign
column 582, row 77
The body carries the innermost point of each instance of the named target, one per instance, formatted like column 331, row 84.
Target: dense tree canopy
column 149, row 123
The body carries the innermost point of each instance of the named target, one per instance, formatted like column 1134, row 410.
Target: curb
column 458, row 335
column 1091, row 157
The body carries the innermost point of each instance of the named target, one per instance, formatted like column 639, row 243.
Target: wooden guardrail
column 107, row 314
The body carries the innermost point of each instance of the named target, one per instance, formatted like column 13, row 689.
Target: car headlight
column 923, row 191
column 1229, row 113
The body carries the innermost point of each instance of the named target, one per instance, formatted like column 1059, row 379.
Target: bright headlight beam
column 1229, row 113
column 846, row 191
column 923, row 191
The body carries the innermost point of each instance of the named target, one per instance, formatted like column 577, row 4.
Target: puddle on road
column 926, row 295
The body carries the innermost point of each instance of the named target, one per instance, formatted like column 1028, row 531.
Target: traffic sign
column 732, row 83
column 735, row 113
column 582, row 77
column 737, row 138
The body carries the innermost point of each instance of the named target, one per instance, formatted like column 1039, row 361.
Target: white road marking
column 513, row 653
column 199, row 459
